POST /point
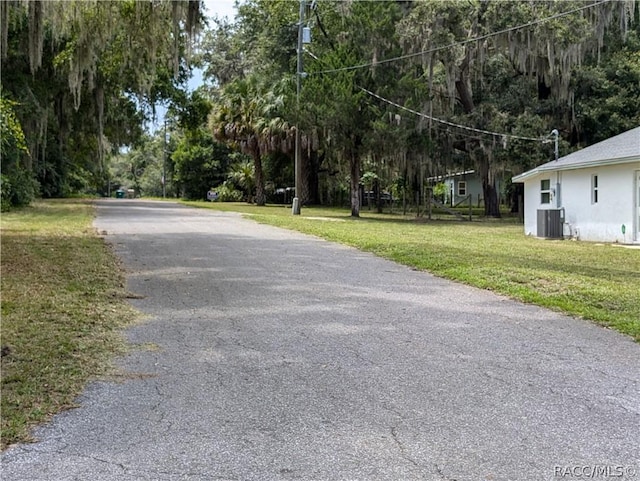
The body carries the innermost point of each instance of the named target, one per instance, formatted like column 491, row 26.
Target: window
column 462, row 187
column 594, row 189
column 545, row 191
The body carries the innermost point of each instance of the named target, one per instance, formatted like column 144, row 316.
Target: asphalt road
column 280, row 356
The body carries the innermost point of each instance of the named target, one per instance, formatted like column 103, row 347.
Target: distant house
column 592, row 194
column 462, row 184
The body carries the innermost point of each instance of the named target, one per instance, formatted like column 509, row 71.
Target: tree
column 193, row 161
column 246, row 116
column 17, row 187
column 220, row 54
column 199, row 164
column 412, row 90
column 545, row 52
column 340, row 107
column 140, row 168
column 85, row 73
column 243, row 176
column 607, row 89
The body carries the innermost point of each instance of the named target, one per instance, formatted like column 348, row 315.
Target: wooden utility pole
column 295, row 208
column 164, row 158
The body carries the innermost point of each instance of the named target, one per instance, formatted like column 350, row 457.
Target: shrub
column 5, row 193
column 228, row 193
column 24, row 187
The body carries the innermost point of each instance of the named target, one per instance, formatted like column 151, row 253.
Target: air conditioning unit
column 550, row 223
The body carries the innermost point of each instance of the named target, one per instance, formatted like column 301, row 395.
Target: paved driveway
column 283, row 357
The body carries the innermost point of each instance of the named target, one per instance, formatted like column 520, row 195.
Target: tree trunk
column 405, row 174
column 313, row 179
column 491, row 203
column 376, row 195
column 304, row 192
column 355, row 184
column 489, row 191
column 463, row 87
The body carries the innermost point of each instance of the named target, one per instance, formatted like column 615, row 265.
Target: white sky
column 222, row 8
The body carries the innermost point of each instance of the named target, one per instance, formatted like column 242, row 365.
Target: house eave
column 553, row 166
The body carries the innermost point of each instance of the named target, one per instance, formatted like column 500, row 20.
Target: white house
column 592, row 194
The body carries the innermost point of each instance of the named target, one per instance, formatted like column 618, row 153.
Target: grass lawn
column 63, row 308
column 594, row 281
column 64, row 302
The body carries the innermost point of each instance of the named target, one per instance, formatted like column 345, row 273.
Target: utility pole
column 556, row 154
column 164, row 158
column 295, row 208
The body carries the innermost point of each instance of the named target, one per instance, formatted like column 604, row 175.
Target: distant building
column 462, row 184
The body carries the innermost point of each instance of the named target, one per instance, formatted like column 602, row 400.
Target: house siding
column 585, row 220
column 474, row 187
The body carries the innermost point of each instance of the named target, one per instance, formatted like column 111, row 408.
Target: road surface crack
column 402, row 447
column 442, row 475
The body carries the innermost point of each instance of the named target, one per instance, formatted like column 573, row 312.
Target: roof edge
column 551, row 167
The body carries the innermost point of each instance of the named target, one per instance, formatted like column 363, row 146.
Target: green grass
column 593, row 281
column 63, row 308
column 63, row 297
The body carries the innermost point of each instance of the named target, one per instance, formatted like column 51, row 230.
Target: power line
column 444, row 122
column 452, row 124
column 462, row 42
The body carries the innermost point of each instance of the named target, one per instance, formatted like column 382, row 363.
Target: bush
column 5, row 193
column 24, row 187
column 19, row 188
column 228, row 193
column 441, row 192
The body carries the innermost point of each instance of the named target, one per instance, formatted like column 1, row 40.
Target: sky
column 219, row 8
column 223, row 8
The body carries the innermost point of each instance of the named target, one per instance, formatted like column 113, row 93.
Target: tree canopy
column 83, row 76
column 406, row 91
column 393, row 94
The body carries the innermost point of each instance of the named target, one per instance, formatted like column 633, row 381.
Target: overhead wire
column 441, row 121
column 448, row 123
column 452, row 124
column 461, row 42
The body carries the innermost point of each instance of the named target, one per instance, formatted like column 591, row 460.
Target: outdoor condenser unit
column 550, row 222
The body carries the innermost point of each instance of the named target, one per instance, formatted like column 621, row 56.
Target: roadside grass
column 588, row 280
column 63, row 308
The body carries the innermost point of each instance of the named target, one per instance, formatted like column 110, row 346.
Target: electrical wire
column 461, row 42
column 445, row 122
column 452, row 124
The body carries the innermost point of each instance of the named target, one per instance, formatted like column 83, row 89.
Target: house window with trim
column 594, row 189
column 545, row 191
column 462, row 187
